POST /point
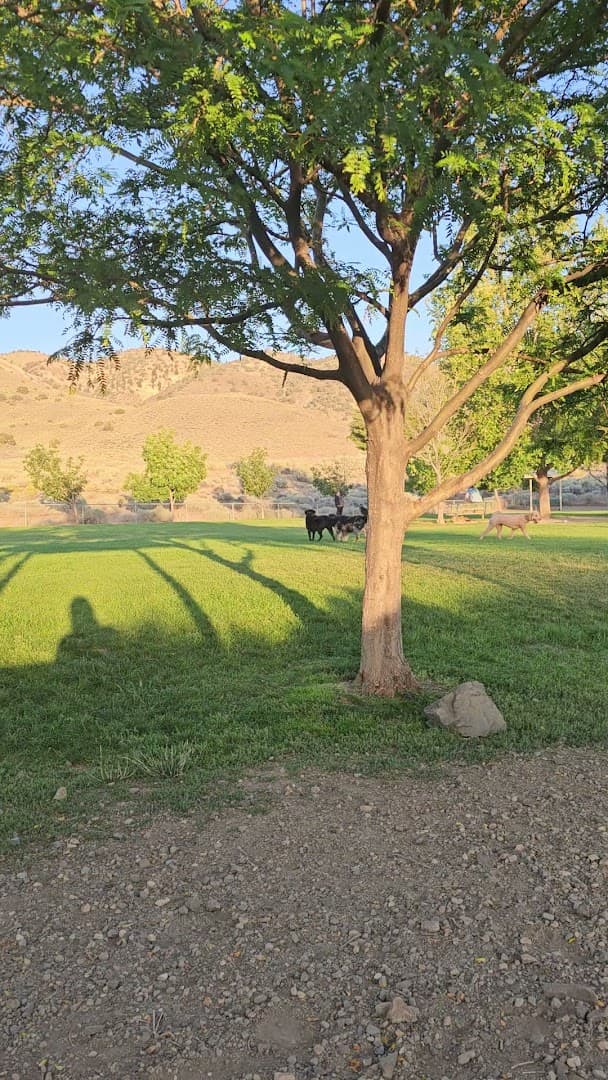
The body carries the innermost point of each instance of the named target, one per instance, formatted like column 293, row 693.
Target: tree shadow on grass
column 13, row 571
column 299, row 604
column 51, row 540
column 271, row 689
column 194, row 610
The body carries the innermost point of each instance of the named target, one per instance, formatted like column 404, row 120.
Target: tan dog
column 500, row 521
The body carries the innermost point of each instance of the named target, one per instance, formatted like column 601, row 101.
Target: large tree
column 265, row 181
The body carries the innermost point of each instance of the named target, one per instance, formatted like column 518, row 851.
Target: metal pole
column 531, row 502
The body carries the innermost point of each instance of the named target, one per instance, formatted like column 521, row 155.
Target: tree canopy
column 57, row 480
column 330, row 479
column 172, row 471
column 255, row 474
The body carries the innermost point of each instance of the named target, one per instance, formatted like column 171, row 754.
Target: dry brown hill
column 228, row 409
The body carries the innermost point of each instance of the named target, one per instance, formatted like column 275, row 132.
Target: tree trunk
column 544, row 494
column 440, row 514
column 384, row 670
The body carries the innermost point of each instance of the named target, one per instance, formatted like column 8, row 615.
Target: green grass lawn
column 171, row 657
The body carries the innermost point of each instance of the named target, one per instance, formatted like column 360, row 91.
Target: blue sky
column 46, row 330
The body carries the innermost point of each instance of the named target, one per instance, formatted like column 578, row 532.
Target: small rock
column 468, row 710
column 60, row 794
column 388, row 1065
column 213, row 905
column 431, row 926
column 399, row 1012
column 466, row 1057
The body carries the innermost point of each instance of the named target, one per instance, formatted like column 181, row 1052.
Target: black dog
column 317, row 523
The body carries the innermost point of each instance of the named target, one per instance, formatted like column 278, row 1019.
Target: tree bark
column 544, row 493
column 384, row 669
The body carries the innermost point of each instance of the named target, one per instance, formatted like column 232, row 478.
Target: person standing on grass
column 339, row 501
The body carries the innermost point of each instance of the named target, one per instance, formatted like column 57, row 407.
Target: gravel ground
column 429, row 927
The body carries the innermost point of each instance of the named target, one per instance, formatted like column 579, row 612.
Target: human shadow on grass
column 87, row 637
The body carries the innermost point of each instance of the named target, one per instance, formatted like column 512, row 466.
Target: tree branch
column 504, row 350
column 322, row 374
column 453, row 257
column 361, row 222
column 456, row 306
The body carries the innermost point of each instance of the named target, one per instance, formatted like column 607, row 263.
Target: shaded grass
column 180, row 655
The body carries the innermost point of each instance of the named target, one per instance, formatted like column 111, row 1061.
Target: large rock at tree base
column 468, row 710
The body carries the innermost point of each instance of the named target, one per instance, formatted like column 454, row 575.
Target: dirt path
column 360, row 927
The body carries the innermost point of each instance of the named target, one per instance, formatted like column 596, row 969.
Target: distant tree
column 255, row 474
column 563, row 437
column 62, row 482
column 329, row 479
column 171, row 471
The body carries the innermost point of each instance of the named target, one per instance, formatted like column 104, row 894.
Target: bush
column 90, row 516
column 6, row 439
column 256, row 476
column 330, row 479
column 160, row 514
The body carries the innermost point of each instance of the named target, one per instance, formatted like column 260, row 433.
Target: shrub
column 161, row 514
column 329, row 479
column 90, row 516
column 256, row 476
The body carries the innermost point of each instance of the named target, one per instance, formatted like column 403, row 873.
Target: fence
column 28, row 513
column 583, row 494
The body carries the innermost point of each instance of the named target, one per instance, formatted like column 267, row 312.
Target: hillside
column 228, row 409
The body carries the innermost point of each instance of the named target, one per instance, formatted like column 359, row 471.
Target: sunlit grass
column 184, row 653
